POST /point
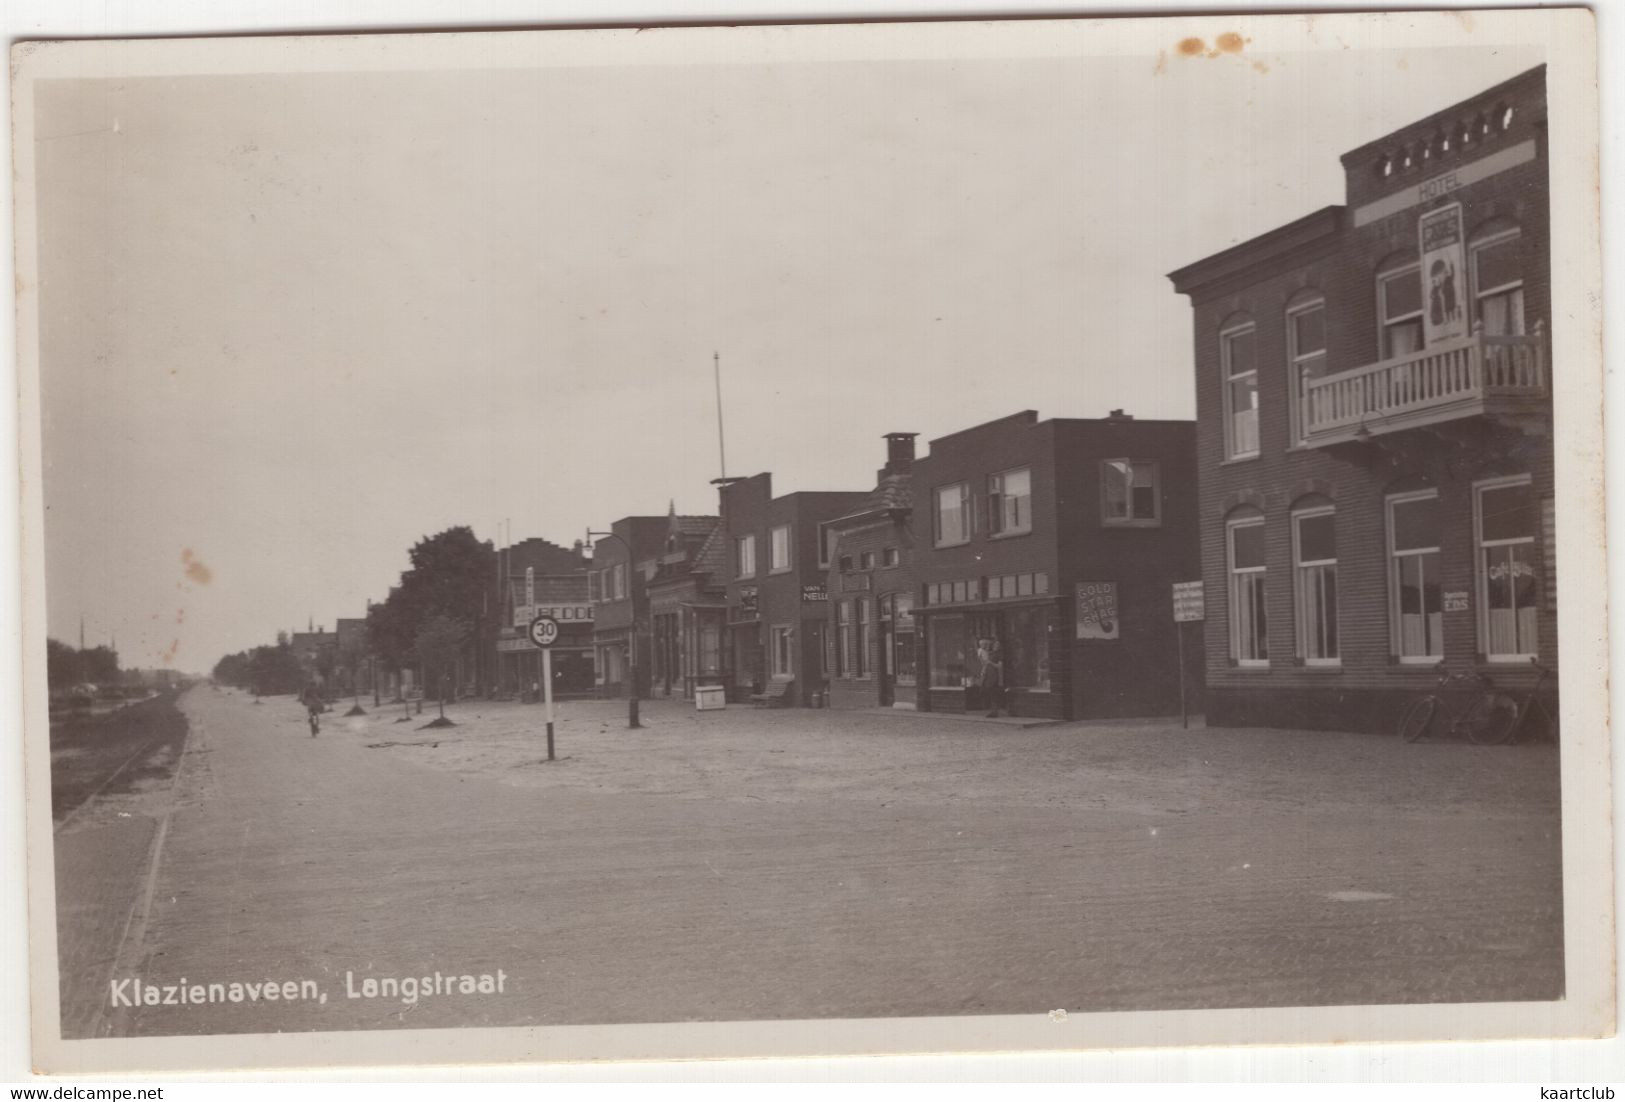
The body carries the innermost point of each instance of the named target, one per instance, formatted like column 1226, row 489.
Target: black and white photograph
column 781, row 540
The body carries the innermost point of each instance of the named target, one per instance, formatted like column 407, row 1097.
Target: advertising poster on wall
column 1097, row 610
column 1444, row 317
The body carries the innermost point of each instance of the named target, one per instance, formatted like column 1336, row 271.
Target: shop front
column 1019, row 632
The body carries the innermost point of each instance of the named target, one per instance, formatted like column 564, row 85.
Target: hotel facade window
column 889, row 557
column 745, row 556
column 1417, row 604
column 1249, row 625
column 1009, row 496
column 778, row 553
column 1130, row 493
column 1498, row 283
column 1314, row 549
column 1306, row 351
column 950, row 514
column 1506, row 518
column 1399, row 309
column 1238, row 344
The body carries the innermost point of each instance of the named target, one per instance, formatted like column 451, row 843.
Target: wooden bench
column 774, row 695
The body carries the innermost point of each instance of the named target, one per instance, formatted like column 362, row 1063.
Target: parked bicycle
column 1490, row 717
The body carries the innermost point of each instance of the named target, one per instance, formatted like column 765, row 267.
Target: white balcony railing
column 1451, row 379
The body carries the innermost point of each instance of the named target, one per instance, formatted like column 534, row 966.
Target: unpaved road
column 826, row 864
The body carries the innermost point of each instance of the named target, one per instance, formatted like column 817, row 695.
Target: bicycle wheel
column 1489, row 720
column 1418, row 718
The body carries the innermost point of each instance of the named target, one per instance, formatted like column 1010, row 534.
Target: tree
column 439, row 643
column 61, row 665
column 449, row 577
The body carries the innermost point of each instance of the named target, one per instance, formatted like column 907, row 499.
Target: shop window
column 1130, row 493
column 945, row 642
column 1416, row 604
column 902, row 649
column 1506, row 518
column 951, row 514
column 1026, row 648
column 1498, row 285
column 1306, row 353
column 1399, row 305
column 745, row 557
column 1009, row 501
column 1238, row 351
column 779, row 651
column 843, row 639
column 1249, row 626
column 778, row 550
column 1314, row 547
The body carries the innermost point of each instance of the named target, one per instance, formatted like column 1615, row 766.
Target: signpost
column 1188, row 605
column 544, row 632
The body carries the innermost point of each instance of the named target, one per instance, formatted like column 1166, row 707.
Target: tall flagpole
column 716, row 371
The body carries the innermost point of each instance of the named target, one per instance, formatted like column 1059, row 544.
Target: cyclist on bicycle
column 314, row 707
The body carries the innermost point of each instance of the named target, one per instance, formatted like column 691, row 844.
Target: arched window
column 1497, row 279
column 1399, row 306
column 1238, row 356
column 1314, row 579
column 1306, row 355
column 1416, row 606
column 1249, row 626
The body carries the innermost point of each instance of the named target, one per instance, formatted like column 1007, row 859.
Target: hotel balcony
column 1476, row 376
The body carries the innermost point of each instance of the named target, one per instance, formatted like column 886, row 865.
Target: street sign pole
column 544, row 632
column 1184, row 717
column 547, row 691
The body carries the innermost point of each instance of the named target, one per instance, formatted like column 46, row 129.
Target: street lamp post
column 632, row 721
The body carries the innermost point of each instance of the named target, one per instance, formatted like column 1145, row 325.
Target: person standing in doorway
column 991, row 675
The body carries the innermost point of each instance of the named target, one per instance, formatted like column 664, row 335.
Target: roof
column 693, row 525
column 712, row 557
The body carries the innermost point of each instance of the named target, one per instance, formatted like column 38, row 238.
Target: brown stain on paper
column 195, row 569
column 1230, row 42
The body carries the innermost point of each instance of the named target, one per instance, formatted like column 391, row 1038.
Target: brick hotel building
column 1374, row 429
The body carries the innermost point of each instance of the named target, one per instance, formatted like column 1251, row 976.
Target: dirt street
column 804, row 864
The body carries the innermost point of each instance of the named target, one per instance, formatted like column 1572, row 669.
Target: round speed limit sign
column 544, row 631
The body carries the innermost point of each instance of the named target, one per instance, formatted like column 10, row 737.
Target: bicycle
column 1418, row 718
column 1498, row 718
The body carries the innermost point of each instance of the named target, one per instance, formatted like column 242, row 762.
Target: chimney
column 1119, row 415
column 899, row 452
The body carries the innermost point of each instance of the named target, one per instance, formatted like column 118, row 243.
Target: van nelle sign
column 564, row 614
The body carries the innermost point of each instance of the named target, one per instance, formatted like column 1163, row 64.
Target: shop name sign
column 1097, row 610
column 814, row 593
column 567, row 614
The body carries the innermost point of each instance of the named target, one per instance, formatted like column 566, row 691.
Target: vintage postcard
column 801, row 540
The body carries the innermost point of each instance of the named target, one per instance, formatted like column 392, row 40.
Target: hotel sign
column 1437, row 187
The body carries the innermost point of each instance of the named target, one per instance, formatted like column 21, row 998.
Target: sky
column 292, row 323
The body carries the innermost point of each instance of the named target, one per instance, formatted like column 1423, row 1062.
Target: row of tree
column 268, row 670
column 439, row 614
column 67, row 666
column 434, row 619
